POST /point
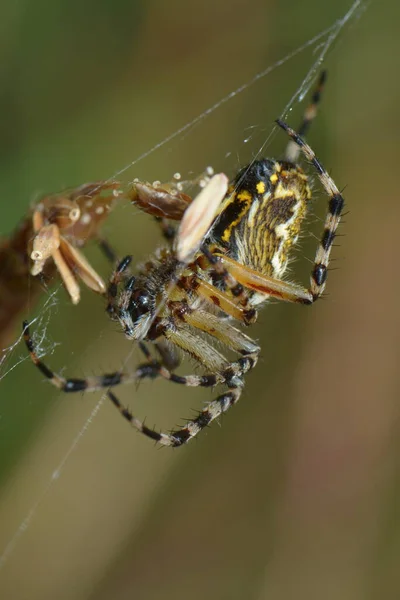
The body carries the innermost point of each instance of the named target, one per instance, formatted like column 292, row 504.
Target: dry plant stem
column 19, row 291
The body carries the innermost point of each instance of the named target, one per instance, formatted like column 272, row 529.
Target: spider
column 239, row 265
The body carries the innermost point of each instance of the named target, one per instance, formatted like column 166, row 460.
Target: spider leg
column 219, row 270
column 220, row 370
column 292, row 149
column 231, row 373
column 203, row 352
column 213, row 295
column 107, row 250
column 222, row 330
column 167, row 352
column 265, row 284
column 191, row 428
column 118, row 275
column 167, row 230
column 335, row 208
column 90, row 384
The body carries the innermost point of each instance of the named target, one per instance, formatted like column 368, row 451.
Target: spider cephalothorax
column 136, row 304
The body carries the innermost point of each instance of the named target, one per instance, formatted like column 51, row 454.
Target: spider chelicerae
column 238, row 266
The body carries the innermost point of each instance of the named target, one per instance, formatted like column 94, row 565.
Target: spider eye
column 140, row 304
column 143, row 303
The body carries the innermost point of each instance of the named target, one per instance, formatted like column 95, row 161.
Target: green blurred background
column 296, row 495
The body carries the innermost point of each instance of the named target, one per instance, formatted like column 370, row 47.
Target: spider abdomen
column 262, row 219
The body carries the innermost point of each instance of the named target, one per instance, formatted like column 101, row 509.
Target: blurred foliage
column 295, row 496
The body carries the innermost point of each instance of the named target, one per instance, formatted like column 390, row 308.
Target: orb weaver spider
column 239, row 264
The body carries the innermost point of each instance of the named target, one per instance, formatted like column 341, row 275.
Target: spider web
column 12, row 357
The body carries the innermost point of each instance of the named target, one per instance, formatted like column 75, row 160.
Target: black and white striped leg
column 151, row 369
column 191, row 428
column 72, row 385
column 311, row 110
column 229, row 376
column 335, row 209
column 293, row 150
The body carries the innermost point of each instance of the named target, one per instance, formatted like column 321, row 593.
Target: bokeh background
column 296, row 495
